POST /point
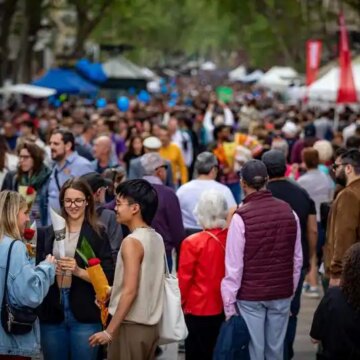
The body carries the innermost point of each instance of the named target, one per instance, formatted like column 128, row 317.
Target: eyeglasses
column 77, row 202
column 162, row 167
column 24, row 157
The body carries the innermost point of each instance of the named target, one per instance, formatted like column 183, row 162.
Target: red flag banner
column 313, row 56
column 347, row 90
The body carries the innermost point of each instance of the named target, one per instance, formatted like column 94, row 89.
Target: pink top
column 234, row 262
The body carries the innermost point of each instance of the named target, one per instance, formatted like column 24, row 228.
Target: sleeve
column 86, row 168
column 298, row 254
column 183, row 168
column 312, row 210
column 173, row 213
column 29, row 285
column 114, row 232
column 229, row 117
column 234, row 264
column 169, row 175
column 8, row 181
column 345, row 229
column 106, row 259
column 319, row 323
column 208, row 125
column 187, row 264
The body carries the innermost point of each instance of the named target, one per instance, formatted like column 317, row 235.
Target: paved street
column 304, row 350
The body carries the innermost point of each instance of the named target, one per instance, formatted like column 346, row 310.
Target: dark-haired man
column 136, row 302
column 263, row 263
column 300, row 201
column 68, row 163
column 344, row 223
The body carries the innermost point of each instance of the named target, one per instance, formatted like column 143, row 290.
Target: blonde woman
column 26, row 286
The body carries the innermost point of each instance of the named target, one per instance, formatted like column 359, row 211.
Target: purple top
column 234, row 262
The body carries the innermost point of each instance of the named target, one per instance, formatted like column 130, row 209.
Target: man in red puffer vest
column 263, row 263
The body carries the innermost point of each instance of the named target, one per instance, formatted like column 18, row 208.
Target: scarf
column 35, row 180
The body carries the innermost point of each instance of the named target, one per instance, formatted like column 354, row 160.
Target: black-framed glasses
column 77, row 202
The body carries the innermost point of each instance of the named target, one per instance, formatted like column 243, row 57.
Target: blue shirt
column 27, row 286
column 75, row 165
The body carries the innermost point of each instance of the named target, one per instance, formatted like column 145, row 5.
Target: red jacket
column 201, row 269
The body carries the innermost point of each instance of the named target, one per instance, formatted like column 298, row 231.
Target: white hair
column 211, row 210
column 324, row 149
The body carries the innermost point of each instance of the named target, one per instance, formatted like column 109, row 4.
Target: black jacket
column 82, row 294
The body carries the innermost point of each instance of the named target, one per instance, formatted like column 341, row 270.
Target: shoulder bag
column 14, row 320
column 172, row 327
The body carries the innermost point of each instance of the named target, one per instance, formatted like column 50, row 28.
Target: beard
column 341, row 179
column 57, row 157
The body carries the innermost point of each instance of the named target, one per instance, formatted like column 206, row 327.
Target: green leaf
column 85, row 252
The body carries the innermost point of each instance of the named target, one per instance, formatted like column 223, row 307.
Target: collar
column 353, row 182
column 261, row 194
column 69, row 160
column 153, row 179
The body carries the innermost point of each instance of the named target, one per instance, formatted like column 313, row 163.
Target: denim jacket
column 27, row 286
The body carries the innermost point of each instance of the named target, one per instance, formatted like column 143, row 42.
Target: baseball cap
column 150, row 162
column 254, row 173
column 152, row 143
column 96, row 181
column 274, row 159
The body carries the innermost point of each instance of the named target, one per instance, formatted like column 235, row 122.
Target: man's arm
column 312, row 234
column 298, row 254
column 234, row 264
column 345, row 235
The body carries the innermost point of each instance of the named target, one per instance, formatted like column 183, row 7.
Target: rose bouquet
column 30, row 235
column 29, row 193
column 96, row 275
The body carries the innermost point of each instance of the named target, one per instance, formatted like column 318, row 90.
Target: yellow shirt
column 173, row 153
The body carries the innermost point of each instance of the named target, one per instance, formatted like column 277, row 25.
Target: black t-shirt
column 337, row 326
column 301, row 203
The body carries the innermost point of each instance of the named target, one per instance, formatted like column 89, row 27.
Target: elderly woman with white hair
column 201, row 269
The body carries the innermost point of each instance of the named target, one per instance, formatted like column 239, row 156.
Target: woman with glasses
column 69, row 315
column 32, row 175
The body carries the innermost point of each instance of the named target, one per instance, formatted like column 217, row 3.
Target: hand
column 314, row 341
column 50, row 259
column 69, row 264
column 58, row 270
column 100, row 338
column 99, row 302
column 334, row 282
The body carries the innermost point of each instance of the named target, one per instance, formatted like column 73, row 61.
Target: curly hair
column 350, row 278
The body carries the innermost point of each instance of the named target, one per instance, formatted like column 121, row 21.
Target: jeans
column 69, row 339
column 267, row 323
column 294, row 311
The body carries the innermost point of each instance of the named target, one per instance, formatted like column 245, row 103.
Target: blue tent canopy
column 66, row 81
column 92, row 71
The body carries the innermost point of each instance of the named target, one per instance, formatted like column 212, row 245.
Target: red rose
column 30, row 190
column 29, row 234
column 94, row 261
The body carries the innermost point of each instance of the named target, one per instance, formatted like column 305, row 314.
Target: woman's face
column 74, row 204
column 26, row 162
column 137, row 145
column 23, row 218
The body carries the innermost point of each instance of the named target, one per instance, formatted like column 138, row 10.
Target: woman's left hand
column 69, row 264
column 99, row 338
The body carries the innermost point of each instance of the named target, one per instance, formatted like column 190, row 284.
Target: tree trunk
column 7, row 11
column 32, row 22
column 86, row 25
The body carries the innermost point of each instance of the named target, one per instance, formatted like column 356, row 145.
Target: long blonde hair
column 11, row 203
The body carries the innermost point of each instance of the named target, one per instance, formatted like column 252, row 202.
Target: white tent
column 237, row 74
column 278, row 78
column 149, row 74
column 121, row 68
column 208, row 66
column 29, row 90
column 252, row 77
column 326, row 88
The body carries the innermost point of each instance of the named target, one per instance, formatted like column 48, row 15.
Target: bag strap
column 56, row 175
column 7, row 271
column 216, row 239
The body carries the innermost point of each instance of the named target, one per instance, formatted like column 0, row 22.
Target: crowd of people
column 253, row 203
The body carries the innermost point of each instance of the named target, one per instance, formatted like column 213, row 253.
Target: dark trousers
column 203, row 333
column 294, row 311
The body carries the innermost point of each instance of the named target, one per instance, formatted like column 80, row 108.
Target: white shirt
column 189, row 195
column 180, row 138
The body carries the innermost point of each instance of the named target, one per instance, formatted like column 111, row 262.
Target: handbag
column 233, row 340
column 172, row 327
column 15, row 320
